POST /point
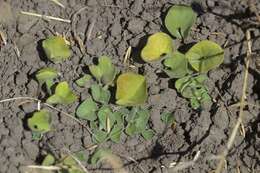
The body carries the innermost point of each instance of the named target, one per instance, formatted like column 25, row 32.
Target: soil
column 118, row 25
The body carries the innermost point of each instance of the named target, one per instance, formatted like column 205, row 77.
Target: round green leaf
column 177, row 65
column 63, row 95
column 81, row 82
column 157, row 45
column 131, row 89
column 56, row 48
column 46, row 74
column 40, row 121
column 179, row 20
column 100, row 94
column 205, row 55
column 87, row 110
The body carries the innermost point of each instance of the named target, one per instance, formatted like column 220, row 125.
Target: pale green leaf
column 46, row 74
column 131, row 89
column 87, row 110
column 179, row 20
column 205, row 55
column 148, row 134
column 56, row 49
column 100, row 94
column 40, row 121
column 63, row 95
column 157, row 45
column 82, row 82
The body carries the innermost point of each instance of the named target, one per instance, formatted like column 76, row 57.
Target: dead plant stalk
column 242, row 105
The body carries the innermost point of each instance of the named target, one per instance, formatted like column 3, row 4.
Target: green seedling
column 131, row 89
column 157, row 45
column 62, row 95
column 87, row 110
column 194, row 89
column 137, row 123
column 40, row 122
column 179, row 20
column 167, row 118
column 67, row 164
column 100, row 94
column 46, row 76
column 205, row 55
column 176, row 65
column 99, row 155
column 105, row 71
column 56, row 49
column 83, row 81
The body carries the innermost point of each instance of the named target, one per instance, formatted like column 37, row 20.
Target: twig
column 45, row 17
column 242, row 105
column 50, row 168
column 58, row 3
column 3, row 38
column 74, row 31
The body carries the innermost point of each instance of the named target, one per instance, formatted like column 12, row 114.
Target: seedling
column 83, row 81
column 131, row 89
column 62, row 95
column 40, row 122
column 157, row 45
column 205, row 55
column 99, row 94
column 46, row 76
column 56, row 49
column 179, row 20
column 67, row 163
column 105, row 71
column 167, row 118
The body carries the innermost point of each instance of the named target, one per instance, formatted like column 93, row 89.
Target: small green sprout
column 56, row 49
column 131, row 89
column 179, row 20
column 105, row 71
column 100, row 94
column 87, row 110
column 40, row 121
column 157, row 45
column 46, row 76
column 176, row 65
column 62, row 95
column 205, row 55
column 83, row 81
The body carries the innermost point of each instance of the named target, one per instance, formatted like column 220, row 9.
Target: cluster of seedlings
column 109, row 119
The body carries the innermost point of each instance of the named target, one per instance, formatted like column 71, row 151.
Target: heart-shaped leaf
column 46, row 74
column 56, row 49
column 100, row 94
column 40, row 121
column 115, row 133
column 87, row 110
column 205, row 55
column 106, row 118
column 82, row 82
column 99, row 136
column 177, row 65
column 131, row 89
column 63, row 95
column 179, row 20
column 105, row 71
column 157, row 45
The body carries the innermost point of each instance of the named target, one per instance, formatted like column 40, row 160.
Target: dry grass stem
column 242, row 105
column 58, row 3
column 45, row 17
column 49, row 168
column 3, row 38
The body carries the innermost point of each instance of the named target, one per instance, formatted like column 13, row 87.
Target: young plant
column 62, row 95
column 179, row 20
column 105, row 71
column 131, row 89
column 56, row 49
column 157, row 45
column 46, row 76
